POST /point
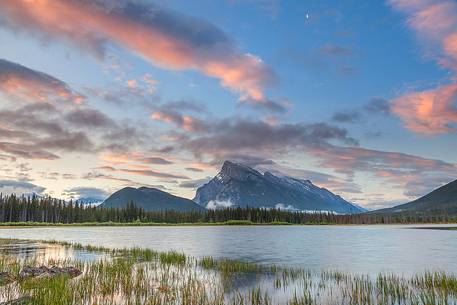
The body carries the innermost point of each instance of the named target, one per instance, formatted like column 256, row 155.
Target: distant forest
column 15, row 209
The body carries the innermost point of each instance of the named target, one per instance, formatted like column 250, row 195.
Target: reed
column 143, row 276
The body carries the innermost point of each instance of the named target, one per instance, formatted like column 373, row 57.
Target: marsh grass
column 142, row 276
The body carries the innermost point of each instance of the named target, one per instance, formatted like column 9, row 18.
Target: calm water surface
column 25, row 249
column 357, row 249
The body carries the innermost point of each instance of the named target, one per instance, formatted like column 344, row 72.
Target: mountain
column 150, row 199
column 443, row 199
column 240, row 185
column 89, row 201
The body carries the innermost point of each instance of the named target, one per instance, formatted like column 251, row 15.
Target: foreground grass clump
column 228, row 266
column 142, row 276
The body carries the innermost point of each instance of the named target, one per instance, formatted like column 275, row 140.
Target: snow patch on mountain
column 216, row 204
column 283, row 207
column 242, row 186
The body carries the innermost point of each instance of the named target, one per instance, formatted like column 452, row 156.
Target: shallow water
column 355, row 249
column 45, row 252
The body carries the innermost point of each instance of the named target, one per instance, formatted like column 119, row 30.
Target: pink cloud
column 132, row 83
column 415, row 175
column 141, row 170
column 164, row 37
column 33, row 86
column 429, row 112
column 186, row 122
column 435, row 22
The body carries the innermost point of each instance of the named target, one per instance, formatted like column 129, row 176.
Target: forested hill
column 442, row 199
column 48, row 210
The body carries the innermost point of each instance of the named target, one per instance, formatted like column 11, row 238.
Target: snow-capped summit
column 240, row 185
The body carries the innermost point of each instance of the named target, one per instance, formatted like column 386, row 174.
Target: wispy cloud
column 435, row 23
column 401, row 170
column 242, row 135
column 185, row 122
column 86, row 192
column 20, row 187
column 26, row 151
column 257, row 143
column 46, row 124
column 375, row 106
column 429, row 112
column 164, row 37
column 137, row 163
column 34, row 86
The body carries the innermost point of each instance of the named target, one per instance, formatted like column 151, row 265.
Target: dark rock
column 71, row 271
column 44, row 271
column 33, row 271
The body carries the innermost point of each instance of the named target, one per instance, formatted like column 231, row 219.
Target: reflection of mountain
column 239, row 185
column 150, row 199
column 441, row 200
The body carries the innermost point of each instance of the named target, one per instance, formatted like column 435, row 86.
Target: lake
column 357, row 249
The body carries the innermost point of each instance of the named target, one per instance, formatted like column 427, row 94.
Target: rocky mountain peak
column 241, row 186
column 237, row 171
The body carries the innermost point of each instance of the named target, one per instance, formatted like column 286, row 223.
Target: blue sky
column 359, row 97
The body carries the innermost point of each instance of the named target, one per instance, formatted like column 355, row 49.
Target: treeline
column 50, row 210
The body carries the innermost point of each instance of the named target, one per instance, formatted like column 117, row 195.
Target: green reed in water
column 142, row 276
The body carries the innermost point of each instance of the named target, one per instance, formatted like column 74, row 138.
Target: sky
column 360, row 97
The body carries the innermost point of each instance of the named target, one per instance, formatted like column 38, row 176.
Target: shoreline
column 9, row 225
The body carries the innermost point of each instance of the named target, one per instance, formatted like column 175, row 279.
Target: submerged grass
column 143, row 276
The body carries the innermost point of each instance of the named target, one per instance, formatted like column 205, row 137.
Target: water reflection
column 355, row 249
column 279, row 286
column 30, row 250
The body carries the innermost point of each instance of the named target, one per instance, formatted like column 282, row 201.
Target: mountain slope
column 239, row 185
column 150, row 199
column 443, row 199
column 89, row 201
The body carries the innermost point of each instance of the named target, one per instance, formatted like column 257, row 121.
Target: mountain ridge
column 150, row 199
column 239, row 185
column 443, row 198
